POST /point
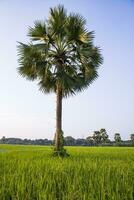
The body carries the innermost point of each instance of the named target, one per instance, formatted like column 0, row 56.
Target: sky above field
column 25, row 112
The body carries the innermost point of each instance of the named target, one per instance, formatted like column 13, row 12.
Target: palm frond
column 56, row 21
column 62, row 50
column 31, row 59
column 38, row 32
column 76, row 30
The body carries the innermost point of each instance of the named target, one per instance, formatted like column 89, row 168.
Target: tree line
column 98, row 138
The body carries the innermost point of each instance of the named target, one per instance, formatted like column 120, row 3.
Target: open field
column 90, row 173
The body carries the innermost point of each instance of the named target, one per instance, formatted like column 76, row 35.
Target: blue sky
column 108, row 103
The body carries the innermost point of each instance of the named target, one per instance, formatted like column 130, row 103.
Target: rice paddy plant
column 90, row 173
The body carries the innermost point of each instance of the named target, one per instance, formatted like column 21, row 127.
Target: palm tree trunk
column 58, row 135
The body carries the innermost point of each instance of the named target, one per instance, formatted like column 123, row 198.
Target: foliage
column 104, row 136
column 100, row 137
column 61, row 57
column 67, row 141
column 25, row 141
column 117, row 138
column 60, row 54
column 132, row 137
column 29, row 172
column 90, row 141
column 97, row 137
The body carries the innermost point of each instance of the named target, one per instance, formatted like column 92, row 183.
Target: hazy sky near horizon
column 25, row 112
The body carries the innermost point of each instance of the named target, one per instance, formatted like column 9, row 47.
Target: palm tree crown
column 61, row 53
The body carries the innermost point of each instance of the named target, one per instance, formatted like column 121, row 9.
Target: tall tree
column 61, row 56
column 117, row 138
column 104, row 135
column 97, row 137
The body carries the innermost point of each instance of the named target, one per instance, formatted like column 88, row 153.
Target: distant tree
column 62, row 57
column 27, row 141
column 104, row 135
column 3, row 139
column 69, row 141
column 132, row 138
column 97, row 137
column 80, row 142
column 89, row 141
column 117, row 138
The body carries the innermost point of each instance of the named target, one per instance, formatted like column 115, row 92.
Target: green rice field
column 89, row 173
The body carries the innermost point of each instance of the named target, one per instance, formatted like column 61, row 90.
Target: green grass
column 90, row 173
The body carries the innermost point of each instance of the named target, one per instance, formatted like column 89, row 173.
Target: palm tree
column 61, row 56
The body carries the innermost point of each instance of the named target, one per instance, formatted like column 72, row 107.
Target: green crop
column 89, row 173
